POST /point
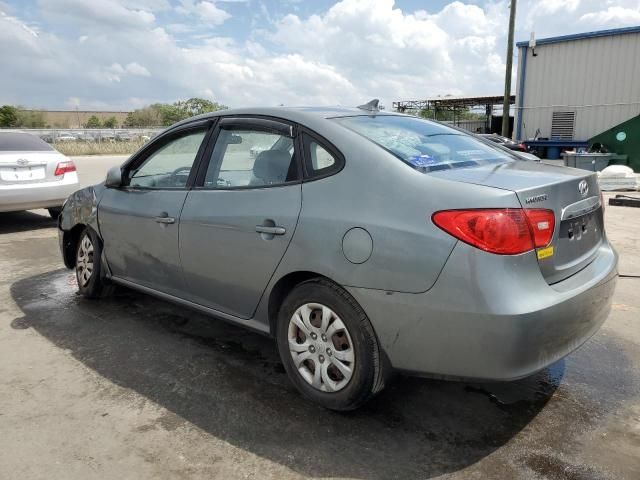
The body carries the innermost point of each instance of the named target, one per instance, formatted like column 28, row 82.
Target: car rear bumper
column 37, row 195
column 491, row 317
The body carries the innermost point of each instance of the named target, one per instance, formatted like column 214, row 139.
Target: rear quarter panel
column 392, row 201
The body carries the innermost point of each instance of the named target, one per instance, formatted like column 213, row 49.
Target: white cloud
column 206, row 11
column 105, row 13
column 125, row 53
column 212, row 14
column 135, row 68
column 613, row 16
column 18, row 23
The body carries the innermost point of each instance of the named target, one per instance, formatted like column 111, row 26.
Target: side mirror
column 114, row 178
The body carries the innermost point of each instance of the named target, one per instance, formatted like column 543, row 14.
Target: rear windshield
column 425, row 145
column 22, row 142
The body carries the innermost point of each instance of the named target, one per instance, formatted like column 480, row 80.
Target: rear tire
column 55, row 212
column 328, row 346
column 88, row 266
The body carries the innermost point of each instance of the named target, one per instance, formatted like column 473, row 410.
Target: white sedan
column 33, row 174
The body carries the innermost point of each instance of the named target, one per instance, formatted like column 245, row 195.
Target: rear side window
column 426, row 146
column 320, row 159
column 22, row 142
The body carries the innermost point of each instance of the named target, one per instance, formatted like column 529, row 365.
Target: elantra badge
column 536, row 198
column 583, row 188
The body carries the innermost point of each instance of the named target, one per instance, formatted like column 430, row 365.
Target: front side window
column 425, row 145
column 251, row 158
column 170, row 165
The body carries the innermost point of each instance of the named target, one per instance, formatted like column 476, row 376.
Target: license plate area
column 583, row 227
column 22, row 174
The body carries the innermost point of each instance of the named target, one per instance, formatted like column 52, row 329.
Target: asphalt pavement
column 131, row 387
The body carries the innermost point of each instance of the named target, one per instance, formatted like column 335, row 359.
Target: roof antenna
column 371, row 106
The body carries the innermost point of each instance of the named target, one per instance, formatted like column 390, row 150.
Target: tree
column 443, row 114
column 8, row 116
column 93, row 122
column 111, row 122
column 144, row 117
column 165, row 114
column 198, row 106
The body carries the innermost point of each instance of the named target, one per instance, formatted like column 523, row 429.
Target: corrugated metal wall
column 597, row 78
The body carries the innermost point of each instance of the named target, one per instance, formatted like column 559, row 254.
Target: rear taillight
column 523, row 147
column 542, row 223
column 504, row 231
column 65, row 167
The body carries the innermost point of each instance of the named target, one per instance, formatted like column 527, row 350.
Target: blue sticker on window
column 422, row 161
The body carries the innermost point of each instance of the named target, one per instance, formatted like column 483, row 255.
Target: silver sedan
column 365, row 242
column 33, row 174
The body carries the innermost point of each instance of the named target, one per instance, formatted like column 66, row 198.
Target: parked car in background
column 504, row 141
column 524, row 155
column 33, row 174
column 86, row 137
column 65, row 137
column 363, row 241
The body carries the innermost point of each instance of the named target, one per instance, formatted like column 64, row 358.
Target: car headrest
column 271, row 166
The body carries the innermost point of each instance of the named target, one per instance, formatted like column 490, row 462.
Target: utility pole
column 507, row 75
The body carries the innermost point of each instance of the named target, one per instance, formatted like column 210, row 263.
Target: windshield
column 22, row 142
column 425, row 145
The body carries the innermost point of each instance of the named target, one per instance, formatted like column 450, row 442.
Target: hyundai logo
column 22, row 161
column 583, row 188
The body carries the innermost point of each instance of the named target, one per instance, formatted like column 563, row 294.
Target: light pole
column 507, row 75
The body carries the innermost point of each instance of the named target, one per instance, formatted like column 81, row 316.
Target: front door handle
column 271, row 230
column 164, row 218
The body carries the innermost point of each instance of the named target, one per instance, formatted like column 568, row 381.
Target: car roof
column 303, row 115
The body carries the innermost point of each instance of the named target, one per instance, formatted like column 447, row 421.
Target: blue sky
column 122, row 54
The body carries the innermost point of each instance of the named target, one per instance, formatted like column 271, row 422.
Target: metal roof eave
column 582, row 36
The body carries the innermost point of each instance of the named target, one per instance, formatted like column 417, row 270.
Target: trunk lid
column 19, row 168
column 571, row 193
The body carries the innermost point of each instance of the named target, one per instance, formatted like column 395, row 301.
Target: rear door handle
column 165, row 219
column 271, row 230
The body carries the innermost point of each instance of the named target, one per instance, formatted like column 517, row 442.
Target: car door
column 238, row 220
column 139, row 221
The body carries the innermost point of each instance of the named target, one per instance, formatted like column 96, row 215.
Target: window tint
column 169, row 166
column 425, row 145
column 22, row 142
column 251, row 158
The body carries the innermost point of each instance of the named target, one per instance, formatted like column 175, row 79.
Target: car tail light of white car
column 65, row 167
column 504, row 231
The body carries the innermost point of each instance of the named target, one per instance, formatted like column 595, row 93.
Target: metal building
column 574, row 87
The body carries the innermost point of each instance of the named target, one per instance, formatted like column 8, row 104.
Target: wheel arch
column 281, row 289
column 70, row 241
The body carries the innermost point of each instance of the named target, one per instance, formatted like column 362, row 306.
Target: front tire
column 54, row 212
column 88, row 266
column 328, row 346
